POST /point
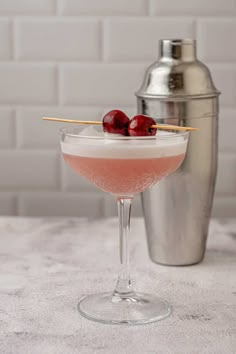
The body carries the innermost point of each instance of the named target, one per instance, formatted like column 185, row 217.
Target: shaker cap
column 178, row 74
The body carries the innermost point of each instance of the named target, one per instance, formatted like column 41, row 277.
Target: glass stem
column 124, row 285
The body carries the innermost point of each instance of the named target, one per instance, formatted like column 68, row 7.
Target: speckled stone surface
column 47, row 264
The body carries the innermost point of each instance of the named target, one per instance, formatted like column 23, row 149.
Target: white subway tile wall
column 225, row 80
column 135, row 39
column 27, row 7
column 29, row 170
column 78, row 59
column 7, row 128
column 100, row 83
column 5, row 39
column 59, row 38
column 61, row 204
column 28, row 83
column 193, row 8
column 213, row 32
column 103, row 7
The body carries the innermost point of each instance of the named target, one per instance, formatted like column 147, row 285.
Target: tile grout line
column 15, row 129
column 195, row 26
column 61, row 179
column 17, row 204
column 148, row 9
column 218, row 62
column 103, row 42
column 58, row 8
column 14, row 35
column 103, row 206
column 58, row 85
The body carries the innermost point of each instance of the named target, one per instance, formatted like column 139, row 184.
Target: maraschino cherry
column 115, row 122
column 140, row 125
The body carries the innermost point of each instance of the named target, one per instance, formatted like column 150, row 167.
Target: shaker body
column 177, row 210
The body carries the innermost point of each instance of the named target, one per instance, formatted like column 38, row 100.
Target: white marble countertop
column 47, row 264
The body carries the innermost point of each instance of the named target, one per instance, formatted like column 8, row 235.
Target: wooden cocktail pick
column 158, row 126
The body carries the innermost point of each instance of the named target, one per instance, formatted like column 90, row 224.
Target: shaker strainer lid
column 178, row 74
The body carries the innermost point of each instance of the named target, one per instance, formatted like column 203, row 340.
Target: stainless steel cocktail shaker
column 178, row 89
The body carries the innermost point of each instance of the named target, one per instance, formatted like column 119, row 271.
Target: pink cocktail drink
column 124, row 176
column 124, row 167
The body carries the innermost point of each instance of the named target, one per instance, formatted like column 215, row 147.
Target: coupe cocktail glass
column 123, row 166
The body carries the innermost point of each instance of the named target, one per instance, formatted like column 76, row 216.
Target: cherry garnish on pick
column 141, row 125
column 115, row 122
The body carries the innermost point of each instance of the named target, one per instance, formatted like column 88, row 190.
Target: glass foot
column 134, row 309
